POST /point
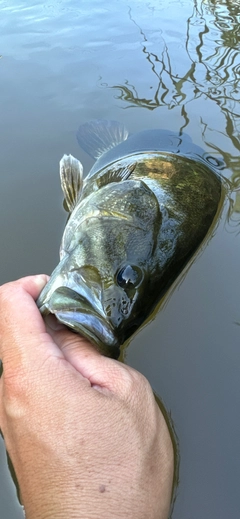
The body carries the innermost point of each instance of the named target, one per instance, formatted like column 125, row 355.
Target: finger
column 21, row 325
column 31, row 284
column 18, row 310
column 102, row 372
column 74, row 347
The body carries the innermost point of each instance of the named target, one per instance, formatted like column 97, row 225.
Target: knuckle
column 15, row 383
column 141, row 384
column 136, row 386
column 3, row 299
column 5, row 291
column 7, row 295
column 16, row 390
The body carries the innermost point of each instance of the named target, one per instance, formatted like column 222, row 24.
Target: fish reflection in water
column 134, row 223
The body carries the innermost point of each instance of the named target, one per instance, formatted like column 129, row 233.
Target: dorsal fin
column 98, row 136
column 71, row 176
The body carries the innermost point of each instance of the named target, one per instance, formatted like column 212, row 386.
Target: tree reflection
column 212, row 74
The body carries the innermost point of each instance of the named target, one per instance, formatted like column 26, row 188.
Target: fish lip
column 94, row 329
column 79, row 314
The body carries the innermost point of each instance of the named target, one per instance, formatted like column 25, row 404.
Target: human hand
column 84, row 433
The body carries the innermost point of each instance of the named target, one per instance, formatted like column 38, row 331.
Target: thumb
column 102, row 372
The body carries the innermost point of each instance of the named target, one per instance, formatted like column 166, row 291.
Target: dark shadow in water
column 212, row 74
column 175, row 444
column 14, row 478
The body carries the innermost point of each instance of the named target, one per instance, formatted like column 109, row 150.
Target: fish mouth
column 76, row 312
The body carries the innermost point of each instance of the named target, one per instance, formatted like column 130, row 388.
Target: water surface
column 155, row 64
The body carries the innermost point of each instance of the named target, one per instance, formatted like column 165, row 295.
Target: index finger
column 19, row 315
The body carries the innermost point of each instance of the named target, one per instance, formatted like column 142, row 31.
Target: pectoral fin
column 71, row 177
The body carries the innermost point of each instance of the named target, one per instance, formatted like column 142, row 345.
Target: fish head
column 135, row 221
column 102, row 286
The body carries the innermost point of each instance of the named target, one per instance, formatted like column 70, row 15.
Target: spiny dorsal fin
column 71, row 177
column 99, row 136
column 116, row 175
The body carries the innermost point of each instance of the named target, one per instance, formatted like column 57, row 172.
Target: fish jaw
column 78, row 308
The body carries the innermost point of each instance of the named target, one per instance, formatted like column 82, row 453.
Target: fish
column 134, row 223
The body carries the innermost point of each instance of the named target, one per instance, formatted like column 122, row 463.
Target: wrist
column 99, row 496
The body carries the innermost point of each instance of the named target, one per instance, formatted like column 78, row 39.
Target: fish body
column 135, row 222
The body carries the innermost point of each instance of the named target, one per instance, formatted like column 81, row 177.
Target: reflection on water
column 211, row 72
column 157, row 64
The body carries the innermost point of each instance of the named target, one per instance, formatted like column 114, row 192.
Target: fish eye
column 129, row 277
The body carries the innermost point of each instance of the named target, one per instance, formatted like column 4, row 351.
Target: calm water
column 154, row 64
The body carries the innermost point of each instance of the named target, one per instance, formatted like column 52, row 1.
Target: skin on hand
column 84, row 433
